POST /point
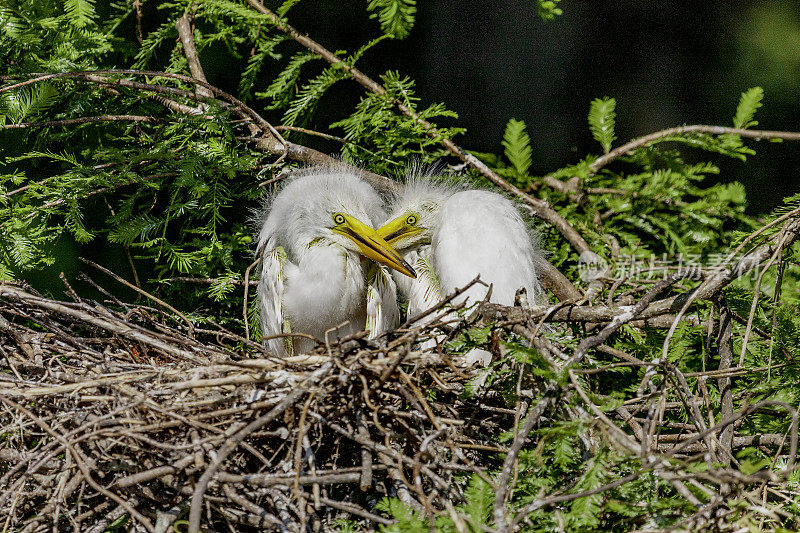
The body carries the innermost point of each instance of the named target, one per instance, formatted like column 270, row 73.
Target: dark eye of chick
column 338, row 218
column 411, row 220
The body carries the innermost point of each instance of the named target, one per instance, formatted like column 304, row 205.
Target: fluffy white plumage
column 462, row 234
column 314, row 278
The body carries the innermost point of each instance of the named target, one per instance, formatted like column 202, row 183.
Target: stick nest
column 117, row 419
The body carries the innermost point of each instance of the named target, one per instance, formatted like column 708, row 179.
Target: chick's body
column 314, row 277
column 456, row 236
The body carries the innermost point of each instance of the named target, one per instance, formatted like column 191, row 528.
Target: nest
column 119, row 418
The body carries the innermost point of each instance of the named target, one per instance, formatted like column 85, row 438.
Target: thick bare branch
column 184, row 27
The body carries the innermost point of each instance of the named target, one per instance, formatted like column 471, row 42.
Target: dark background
column 667, row 63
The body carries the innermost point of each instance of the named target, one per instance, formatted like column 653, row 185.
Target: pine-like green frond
column 65, row 157
column 408, row 520
column 11, row 26
column 74, row 223
column 142, row 228
column 479, row 498
column 224, row 286
column 285, row 7
column 79, row 12
column 395, row 16
column 547, row 10
column 283, row 87
column 155, row 39
column 749, row 103
column 303, row 105
column 17, row 106
column 601, row 121
column 265, row 49
column 377, row 128
column 517, row 146
column 239, row 12
column 181, row 260
column 254, row 320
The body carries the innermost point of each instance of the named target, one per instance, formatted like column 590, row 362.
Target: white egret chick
column 322, row 261
column 451, row 235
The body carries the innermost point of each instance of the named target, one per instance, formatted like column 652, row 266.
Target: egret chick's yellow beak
column 373, row 245
column 394, row 230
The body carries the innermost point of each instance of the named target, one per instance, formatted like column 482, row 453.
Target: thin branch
column 137, row 6
column 110, row 324
column 246, row 284
column 532, row 417
column 208, row 281
column 312, row 132
column 680, row 130
column 81, row 120
column 80, row 460
column 141, row 291
column 101, row 190
column 655, row 462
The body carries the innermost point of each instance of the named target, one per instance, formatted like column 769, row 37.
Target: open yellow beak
column 373, row 246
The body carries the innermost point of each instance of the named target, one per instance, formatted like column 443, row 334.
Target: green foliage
column 408, row 520
column 517, row 146
column 385, row 139
column 301, row 102
column 396, row 16
column 26, row 103
column 547, row 9
column 264, row 50
column 80, row 13
column 659, row 206
column 474, row 514
column 479, row 498
column 601, row 121
column 749, row 102
column 345, row 526
column 301, row 108
column 282, row 88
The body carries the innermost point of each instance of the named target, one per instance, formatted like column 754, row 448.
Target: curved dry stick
column 245, row 316
column 532, row 416
column 184, row 27
column 572, row 187
column 116, row 326
column 573, row 313
column 233, row 442
column 575, row 191
column 553, row 279
column 143, row 292
column 624, row 318
column 242, row 107
column 535, row 412
column 757, row 291
column 695, row 128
